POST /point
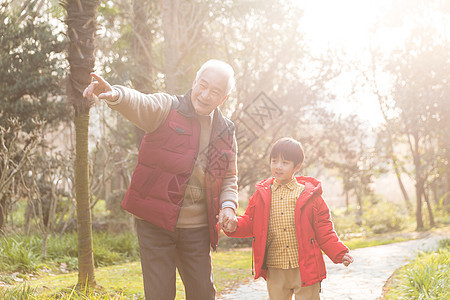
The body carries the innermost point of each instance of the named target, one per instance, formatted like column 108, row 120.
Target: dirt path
column 362, row 280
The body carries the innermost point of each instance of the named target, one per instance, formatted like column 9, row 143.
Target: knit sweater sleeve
column 229, row 192
column 146, row 111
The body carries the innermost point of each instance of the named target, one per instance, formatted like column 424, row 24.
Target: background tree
column 31, row 73
column 17, row 149
column 420, row 95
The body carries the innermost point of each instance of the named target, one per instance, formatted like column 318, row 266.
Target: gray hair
column 223, row 67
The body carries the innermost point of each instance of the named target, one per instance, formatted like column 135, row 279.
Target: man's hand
column 347, row 259
column 227, row 220
column 101, row 89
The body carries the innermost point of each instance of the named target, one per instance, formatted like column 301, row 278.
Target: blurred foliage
column 20, row 253
column 384, row 217
column 32, row 70
column 426, row 277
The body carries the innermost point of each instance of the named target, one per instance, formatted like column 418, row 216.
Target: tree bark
column 84, row 220
column 402, row 187
column 81, row 27
column 171, row 52
column 430, row 210
column 419, row 182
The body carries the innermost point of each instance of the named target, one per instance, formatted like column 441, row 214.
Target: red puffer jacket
column 313, row 227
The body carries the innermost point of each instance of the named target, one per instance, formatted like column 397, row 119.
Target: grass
column 125, row 281
column 426, row 277
column 20, row 262
column 24, row 253
column 371, row 242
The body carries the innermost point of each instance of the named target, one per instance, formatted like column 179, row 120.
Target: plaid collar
column 290, row 185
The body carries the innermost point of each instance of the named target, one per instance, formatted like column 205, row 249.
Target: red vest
column 166, row 160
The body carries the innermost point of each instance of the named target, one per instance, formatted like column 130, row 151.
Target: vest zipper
column 190, row 175
column 207, row 169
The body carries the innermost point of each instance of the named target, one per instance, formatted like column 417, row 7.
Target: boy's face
column 283, row 170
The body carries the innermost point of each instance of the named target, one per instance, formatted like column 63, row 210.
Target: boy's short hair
column 288, row 149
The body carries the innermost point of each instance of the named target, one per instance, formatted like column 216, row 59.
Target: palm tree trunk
column 81, row 27
column 84, row 221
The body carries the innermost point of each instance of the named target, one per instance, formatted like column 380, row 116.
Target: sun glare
column 347, row 26
column 344, row 23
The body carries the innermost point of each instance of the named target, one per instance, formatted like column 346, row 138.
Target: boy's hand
column 230, row 225
column 347, row 259
column 227, row 219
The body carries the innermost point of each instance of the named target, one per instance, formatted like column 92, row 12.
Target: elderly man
column 184, row 186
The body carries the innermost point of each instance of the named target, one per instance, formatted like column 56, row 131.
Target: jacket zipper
column 253, row 266
column 313, row 242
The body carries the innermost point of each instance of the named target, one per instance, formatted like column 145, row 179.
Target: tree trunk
column 347, row 201
column 170, row 27
column 402, row 187
column 142, row 46
column 84, row 221
column 419, row 183
column 3, row 212
column 81, row 27
column 430, row 210
column 446, row 200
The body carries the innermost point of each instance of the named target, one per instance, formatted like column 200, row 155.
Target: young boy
column 290, row 225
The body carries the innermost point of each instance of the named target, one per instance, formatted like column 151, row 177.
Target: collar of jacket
column 312, row 187
column 186, row 109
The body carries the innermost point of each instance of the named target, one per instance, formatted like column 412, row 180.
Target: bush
column 19, row 254
column 345, row 223
column 22, row 292
column 384, row 217
column 24, row 254
column 427, row 277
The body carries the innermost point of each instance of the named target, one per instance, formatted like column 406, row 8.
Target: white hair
column 221, row 66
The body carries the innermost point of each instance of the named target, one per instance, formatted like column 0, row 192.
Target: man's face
column 209, row 91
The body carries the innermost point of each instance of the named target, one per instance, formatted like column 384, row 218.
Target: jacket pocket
column 143, row 179
column 178, row 139
column 318, row 257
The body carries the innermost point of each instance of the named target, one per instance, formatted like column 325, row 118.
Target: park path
column 362, row 280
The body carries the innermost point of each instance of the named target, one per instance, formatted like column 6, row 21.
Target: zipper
column 207, row 170
column 313, row 242
column 253, row 246
column 190, row 175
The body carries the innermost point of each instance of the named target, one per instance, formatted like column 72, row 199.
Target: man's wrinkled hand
column 227, row 219
column 99, row 88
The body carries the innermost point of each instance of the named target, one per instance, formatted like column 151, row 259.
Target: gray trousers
column 163, row 251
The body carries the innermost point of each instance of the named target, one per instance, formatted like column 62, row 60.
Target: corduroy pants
column 283, row 283
column 163, row 251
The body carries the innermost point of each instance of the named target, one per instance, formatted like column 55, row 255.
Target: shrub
column 384, row 217
column 21, row 291
column 19, row 254
column 345, row 223
column 24, row 253
column 427, row 277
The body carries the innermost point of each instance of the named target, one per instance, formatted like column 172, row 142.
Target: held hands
column 347, row 259
column 99, row 88
column 227, row 220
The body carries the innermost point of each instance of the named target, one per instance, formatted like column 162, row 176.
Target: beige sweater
column 148, row 112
